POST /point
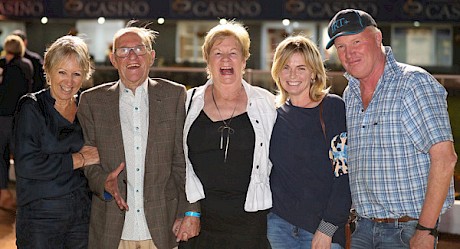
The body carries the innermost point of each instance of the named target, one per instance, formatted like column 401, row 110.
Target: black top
column 44, row 143
column 224, row 223
column 15, row 81
column 39, row 81
column 304, row 187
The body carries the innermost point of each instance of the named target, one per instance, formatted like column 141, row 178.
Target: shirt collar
column 144, row 85
column 48, row 97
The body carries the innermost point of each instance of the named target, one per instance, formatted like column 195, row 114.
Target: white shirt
column 134, row 116
column 262, row 114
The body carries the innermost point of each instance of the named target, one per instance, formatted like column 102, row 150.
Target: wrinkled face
column 132, row 69
column 358, row 53
column 226, row 62
column 65, row 79
column 295, row 76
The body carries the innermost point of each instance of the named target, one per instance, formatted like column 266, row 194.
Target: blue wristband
column 107, row 196
column 193, row 214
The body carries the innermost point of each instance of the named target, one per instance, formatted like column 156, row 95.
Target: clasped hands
column 183, row 228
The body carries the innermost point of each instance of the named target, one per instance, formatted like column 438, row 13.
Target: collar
column 143, row 86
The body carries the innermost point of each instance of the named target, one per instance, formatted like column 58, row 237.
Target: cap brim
column 331, row 41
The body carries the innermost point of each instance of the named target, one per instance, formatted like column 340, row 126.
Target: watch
column 433, row 231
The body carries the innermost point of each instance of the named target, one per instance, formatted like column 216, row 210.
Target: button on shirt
column 389, row 142
column 134, row 116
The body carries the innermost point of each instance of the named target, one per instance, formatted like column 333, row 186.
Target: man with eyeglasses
column 136, row 123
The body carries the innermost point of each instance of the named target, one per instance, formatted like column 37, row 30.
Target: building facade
column 421, row 32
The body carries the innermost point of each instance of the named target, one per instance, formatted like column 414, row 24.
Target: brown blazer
column 164, row 182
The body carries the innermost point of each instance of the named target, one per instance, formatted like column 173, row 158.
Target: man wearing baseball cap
column 400, row 154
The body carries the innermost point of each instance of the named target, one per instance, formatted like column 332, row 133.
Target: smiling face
column 132, row 69
column 295, row 77
column 361, row 54
column 226, row 62
column 65, row 78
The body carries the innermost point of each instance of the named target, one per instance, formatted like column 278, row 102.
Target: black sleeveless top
column 224, row 223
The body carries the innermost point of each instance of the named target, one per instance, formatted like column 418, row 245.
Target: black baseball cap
column 348, row 22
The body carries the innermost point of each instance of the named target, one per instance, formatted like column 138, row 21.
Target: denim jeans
column 59, row 222
column 369, row 234
column 284, row 235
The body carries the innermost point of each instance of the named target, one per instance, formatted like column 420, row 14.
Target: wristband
column 193, row 214
column 433, row 231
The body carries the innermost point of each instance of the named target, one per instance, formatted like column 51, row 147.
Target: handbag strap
column 191, row 98
column 323, row 126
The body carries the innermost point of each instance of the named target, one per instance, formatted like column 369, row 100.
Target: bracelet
column 433, row 231
column 193, row 214
column 82, row 157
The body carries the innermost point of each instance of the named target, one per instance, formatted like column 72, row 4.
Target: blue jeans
column 284, row 235
column 369, row 234
column 59, row 223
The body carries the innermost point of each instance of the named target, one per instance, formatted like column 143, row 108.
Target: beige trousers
column 140, row 244
column 136, row 244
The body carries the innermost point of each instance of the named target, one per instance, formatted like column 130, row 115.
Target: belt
column 392, row 220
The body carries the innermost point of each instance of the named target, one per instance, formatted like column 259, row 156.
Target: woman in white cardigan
column 226, row 138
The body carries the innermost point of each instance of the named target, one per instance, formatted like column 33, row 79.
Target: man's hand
column 422, row 240
column 186, row 228
column 111, row 186
column 321, row 241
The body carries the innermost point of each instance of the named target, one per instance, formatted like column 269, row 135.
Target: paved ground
column 7, row 228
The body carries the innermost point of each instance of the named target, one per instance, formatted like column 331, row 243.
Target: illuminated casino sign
column 309, row 10
column 208, row 8
column 107, row 8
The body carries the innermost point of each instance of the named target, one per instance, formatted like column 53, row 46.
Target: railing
column 192, row 76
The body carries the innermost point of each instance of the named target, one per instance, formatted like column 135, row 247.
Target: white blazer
column 262, row 114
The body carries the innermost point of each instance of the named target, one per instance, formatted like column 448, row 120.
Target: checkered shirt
column 389, row 142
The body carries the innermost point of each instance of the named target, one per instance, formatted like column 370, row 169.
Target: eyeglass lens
column 124, row 52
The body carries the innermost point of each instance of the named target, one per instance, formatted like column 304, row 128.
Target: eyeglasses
column 124, row 52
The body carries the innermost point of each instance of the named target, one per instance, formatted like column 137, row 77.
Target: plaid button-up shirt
column 389, row 141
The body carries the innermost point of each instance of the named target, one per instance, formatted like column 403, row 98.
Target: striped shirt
column 389, row 142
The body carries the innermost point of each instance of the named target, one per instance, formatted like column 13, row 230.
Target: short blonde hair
column 308, row 49
column 62, row 49
column 221, row 31
column 14, row 45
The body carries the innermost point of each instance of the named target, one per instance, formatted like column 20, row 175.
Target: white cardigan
column 262, row 113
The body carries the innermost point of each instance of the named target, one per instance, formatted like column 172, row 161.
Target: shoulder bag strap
column 323, row 126
column 191, row 98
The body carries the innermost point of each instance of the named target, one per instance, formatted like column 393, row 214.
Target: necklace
column 226, row 126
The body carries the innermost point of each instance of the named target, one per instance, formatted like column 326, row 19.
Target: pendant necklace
column 226, row 126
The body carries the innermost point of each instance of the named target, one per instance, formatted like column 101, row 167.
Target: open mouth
column 293, row 83
column 226, row 70
column 133, row 66
column 66, row 89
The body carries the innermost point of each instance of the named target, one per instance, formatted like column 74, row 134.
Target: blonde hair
column 221, row 31
column 304, row 46
column 14, row 45
column 62, row 49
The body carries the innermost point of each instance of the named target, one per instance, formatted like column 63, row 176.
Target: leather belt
column 392, row 220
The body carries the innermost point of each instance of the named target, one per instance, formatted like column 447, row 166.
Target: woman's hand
column 91, row 155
